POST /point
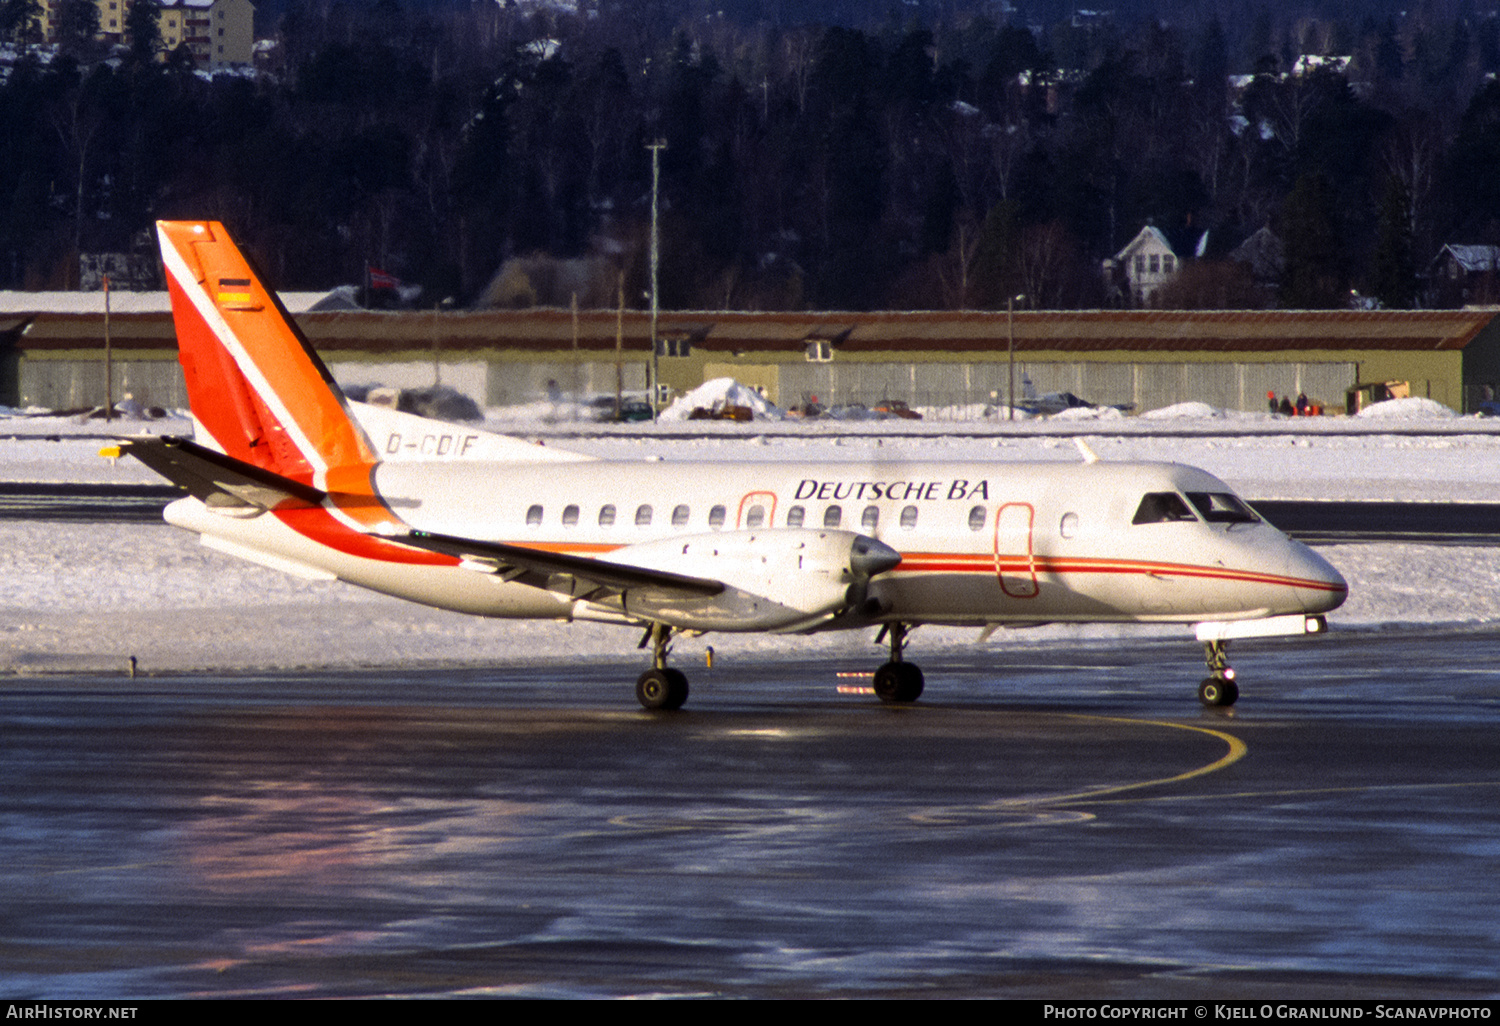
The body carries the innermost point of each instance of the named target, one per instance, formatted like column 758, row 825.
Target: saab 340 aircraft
column 288, row 472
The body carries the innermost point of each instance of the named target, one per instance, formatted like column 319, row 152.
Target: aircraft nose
column 1320, row 586
column 868, row 557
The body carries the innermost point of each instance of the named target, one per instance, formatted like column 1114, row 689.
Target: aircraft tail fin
column 255, row 385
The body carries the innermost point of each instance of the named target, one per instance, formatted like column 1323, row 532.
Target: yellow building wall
column 229, row 39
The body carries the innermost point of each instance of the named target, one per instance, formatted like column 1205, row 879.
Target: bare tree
column 78, row 123
column 1412, row 155
column 1043, row 258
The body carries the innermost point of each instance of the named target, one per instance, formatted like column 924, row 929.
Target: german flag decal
column 235, row 293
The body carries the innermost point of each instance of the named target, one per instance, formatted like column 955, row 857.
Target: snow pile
column 1088, row 413
column 1187, row 411
column 1414, row 408
column 972, row 413
column 722, row 392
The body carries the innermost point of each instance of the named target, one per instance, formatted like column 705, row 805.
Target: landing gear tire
column 1217, row 693
column 662, row 689
column 1218, row 690
column 898, row 682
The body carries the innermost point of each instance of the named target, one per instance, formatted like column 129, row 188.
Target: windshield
column 1161, row 508
column 1222, row 508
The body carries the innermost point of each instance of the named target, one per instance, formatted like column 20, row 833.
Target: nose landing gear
column 1218, row 690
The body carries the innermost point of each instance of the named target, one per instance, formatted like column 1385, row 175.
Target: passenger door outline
column 1015, row 557
column 747, row 501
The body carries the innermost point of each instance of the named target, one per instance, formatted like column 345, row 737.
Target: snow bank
column 1088, row 413
column 35, row 423
column 722, row 392
column 1190, row 411
column 971, row 413
column 1414, row 408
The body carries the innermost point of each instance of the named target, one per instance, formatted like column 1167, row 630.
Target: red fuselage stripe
column 931, row 562
column 319, row 526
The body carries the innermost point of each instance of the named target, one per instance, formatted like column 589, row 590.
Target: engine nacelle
column 775, row 579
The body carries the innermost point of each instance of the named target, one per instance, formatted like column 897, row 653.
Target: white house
column 1462, row 274
column 1147, row 262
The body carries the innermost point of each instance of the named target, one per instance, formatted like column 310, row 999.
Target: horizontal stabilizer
column 557, row 571
column 216, row 479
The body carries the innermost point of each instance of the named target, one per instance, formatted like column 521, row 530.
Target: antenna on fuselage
column 1089, row 455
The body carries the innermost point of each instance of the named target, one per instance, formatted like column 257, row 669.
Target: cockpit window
column 1161, row 508
column 1222, row 508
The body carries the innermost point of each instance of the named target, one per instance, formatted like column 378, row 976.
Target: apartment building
column 220, row 34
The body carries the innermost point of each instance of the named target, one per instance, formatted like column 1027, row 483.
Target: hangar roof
column 1081, row 332
column 732, row 332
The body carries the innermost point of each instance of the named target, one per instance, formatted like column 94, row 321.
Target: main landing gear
column 660, row 687
column 1218, row 689
column 897, row 681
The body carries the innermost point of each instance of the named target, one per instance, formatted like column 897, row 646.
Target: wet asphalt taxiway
column 1049, row 821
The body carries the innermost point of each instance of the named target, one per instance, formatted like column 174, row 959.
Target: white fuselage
column 980, row 543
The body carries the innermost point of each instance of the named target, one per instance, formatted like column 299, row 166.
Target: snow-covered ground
column 89, row 596
column 1398, row 455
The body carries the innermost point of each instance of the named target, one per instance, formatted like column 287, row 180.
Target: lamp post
column 655, row 148
column 109, row 371
column 1010, row 334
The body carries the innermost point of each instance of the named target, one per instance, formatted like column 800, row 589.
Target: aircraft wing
column 223, row 481
column 215, row 479
column 578, row 576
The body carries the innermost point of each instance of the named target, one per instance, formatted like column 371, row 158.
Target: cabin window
column 755, row 516
column 680, row 516
column 570, row 516
column 1162, row 508
column 716, row 517
column 796, row 516
column 643, row 516
column 908, row 518
column 534, row 516
column 1222, row 508
column 870, row 519
column 607, row 516
column 1068, row 526
column 833, row 516
column 977, row 517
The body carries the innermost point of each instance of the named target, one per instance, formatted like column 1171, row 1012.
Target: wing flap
column 578, row 576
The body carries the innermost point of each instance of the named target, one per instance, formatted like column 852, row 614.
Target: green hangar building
column 52, row 353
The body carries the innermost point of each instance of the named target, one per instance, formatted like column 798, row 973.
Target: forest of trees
column 938, row 155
